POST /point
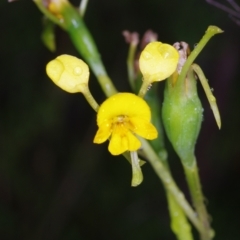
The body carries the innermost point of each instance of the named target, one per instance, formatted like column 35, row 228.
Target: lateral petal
column 143, row 128
column 103, row 133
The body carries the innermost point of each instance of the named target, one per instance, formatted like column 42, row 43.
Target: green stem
column 169, row 184
column 130, row 65
column 211, row 31
column 144, row 88
column 179, row 223
column 90, row 99
column 194, row 185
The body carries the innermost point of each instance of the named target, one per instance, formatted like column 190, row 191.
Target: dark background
column 54, row 182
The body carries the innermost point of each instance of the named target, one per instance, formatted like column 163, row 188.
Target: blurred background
column 55, row 184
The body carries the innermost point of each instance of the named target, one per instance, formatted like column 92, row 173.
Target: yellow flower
column 69, row 73
column 122, row 116
column 158, row 61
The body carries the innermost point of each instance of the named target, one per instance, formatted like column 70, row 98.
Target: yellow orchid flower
column 122, row 116
column 69, row 73
column 158, row 61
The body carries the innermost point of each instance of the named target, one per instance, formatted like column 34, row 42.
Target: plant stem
column 144, row 88
column 133, row 40
column 194, row 185
column 211, row 31
column 90, row 99
column 179, row 222
column 170, row 184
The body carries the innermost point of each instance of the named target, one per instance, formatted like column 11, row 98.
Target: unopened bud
column 69, row 73
column 158, row 61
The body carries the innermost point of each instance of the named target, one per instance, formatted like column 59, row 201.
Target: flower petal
column 103, row 133
column 123, row 104
column 143, row 128
column 122, row 140
column 133, row 143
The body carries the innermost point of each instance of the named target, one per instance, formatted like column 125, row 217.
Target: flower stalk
column 133, row 40
column 144, row 89
column 90, row 99
column 194, row 184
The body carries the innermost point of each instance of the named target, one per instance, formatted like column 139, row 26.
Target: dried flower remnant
column 137, row 45
column 184, row 51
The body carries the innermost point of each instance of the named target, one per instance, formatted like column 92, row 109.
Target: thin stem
column 179, row 222
column 169, row 184
column 208, row 92
column 106, row 84
column 130, row 64
column 211, row 31
column 144, row 88
column 132, row 38
column 194, row 184
column 87, row 94
column 83, row 7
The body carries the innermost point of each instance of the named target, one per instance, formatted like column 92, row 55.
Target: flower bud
column 158, row 61
column 69, row 73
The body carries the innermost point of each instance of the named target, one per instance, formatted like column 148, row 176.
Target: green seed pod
column 182, row 116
